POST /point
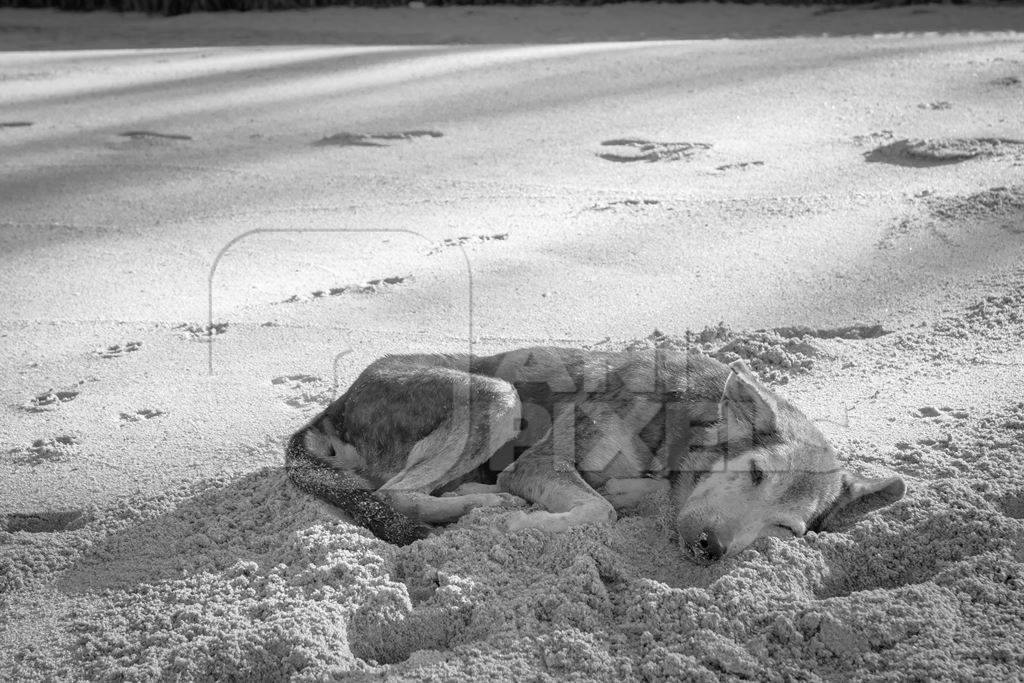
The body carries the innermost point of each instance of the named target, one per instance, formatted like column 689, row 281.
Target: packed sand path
column 341, row 184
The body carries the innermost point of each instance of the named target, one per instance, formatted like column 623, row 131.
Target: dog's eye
column 756, row 473
column 787, row 529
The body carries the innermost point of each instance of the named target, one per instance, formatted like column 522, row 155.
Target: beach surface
column 210, row 224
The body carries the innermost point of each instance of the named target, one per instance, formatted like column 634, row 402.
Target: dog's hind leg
column 485, row 415
column 541, row 476
column 443, row 509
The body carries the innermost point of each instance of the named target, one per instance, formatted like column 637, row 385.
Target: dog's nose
column 709, row 545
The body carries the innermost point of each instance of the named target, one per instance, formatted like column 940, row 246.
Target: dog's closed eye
column 787, row 529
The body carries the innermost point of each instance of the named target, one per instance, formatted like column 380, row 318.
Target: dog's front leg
column 541, row 477
column 632, row 492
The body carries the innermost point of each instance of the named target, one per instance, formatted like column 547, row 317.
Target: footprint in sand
column 55, row 449
column 118, row 350
column 1006, row 81
column 151, row 135
column 307, row 395
column 467, row 239
column 46, row 521
column 624, row 203
column 307, row 399
column 304, row 391
column 942, row 151
column 931, row 412
column 646, row 150
column 15, row 124
column 295, row 381
column 143, row 414
column 202, row 332
column 368, row 287
column 873, row 138
column 49, row 400
column 373, row 139
column 739, row 166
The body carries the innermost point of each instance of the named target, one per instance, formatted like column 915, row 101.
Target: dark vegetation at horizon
column 175, row 7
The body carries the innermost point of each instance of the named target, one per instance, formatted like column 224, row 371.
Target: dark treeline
column 173, row 7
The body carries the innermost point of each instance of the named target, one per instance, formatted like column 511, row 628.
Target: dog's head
column 765, row 471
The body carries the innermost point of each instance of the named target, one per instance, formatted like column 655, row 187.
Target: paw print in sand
column 118, row 350
column 49, row 400
column 142, row 414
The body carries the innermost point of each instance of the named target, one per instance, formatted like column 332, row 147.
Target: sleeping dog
column 422, row 439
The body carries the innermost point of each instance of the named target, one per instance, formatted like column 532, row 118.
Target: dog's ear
column 747, row 406
column 858, row 496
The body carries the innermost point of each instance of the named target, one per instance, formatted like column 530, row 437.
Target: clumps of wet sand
column 1005, row 203
column 773, row 355
column 248, row 578
column 958, row 445
column 57, row 448
column 305, row 392
column 235, row 577
column 997, row 316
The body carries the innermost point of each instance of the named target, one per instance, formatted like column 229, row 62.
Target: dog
column 423, row 439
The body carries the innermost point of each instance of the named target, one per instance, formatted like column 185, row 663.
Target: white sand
column 869, row 178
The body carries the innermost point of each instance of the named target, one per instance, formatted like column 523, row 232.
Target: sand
column 843, row 212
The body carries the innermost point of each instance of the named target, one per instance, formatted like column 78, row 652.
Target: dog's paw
column 496, row 500
column 591, row 513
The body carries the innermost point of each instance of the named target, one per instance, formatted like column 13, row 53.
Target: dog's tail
column 307, row 467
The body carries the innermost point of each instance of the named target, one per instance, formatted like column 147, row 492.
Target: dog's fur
column 580, row 433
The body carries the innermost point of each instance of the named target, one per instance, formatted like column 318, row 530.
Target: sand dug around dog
column 247, row 577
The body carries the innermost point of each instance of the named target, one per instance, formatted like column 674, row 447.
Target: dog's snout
column 709, row 545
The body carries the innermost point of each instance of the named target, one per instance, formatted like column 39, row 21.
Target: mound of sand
column 939, row 151
column 775, row 355
column 244, row 576
column 954, row 219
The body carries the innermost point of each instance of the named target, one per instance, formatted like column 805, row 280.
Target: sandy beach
column 835, row 196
